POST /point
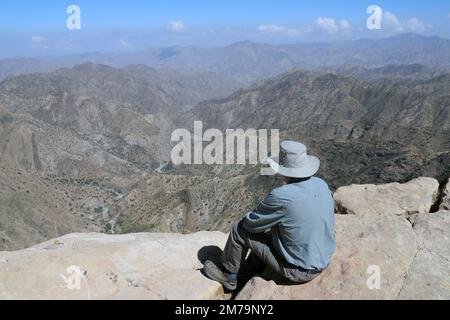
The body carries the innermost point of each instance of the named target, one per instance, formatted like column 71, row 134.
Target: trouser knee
column 237, row 230
column 235, row 227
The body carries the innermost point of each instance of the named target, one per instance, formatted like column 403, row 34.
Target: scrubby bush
column 6, row 118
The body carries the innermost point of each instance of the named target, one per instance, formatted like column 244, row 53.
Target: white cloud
column 345, row 25
column 278, row 29
column 416, row 25
column 38, row 39
column 271, row 28
column 39, row 42
column 391, row 22
column 121, row 44
column 176, row 26
column 327, row 24
column 330, row 25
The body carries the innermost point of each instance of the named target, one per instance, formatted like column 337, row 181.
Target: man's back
column 292, row 229
column 301, row 218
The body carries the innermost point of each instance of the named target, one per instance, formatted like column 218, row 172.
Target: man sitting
column 291, row 231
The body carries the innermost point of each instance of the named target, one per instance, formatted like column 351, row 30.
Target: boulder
column 97, row 266
column 415, row 196
column 413, row 262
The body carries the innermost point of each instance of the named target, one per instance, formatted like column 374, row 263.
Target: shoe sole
column 225, row 284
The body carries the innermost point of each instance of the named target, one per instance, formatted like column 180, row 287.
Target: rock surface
column 415, row 196
column 134, row 266
column 390, row 250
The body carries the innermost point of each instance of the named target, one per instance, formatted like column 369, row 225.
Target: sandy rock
column 415, row 196
column 134, row 266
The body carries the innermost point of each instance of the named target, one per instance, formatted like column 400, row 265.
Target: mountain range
column 248, row 61
column 86, row 147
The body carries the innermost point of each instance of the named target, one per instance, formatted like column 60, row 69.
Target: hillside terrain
column 364, row 132
column 75, row 141
column 408, row 74
column 88, row 148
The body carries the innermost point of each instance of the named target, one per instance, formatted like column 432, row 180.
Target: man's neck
column 297, row 180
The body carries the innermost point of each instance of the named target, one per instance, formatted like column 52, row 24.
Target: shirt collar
column 298, row 180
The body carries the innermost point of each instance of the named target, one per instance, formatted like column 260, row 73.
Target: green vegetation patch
column 125, row 227
column 98, row 210
column 6, row 118
column 138, row 228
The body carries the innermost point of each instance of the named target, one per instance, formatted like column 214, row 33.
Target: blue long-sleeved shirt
column 300, row 217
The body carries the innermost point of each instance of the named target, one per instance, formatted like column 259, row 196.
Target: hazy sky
column 29, row 28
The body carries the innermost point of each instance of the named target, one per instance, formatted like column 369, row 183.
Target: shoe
column 220, row 274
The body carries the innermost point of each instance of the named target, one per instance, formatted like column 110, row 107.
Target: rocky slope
column 389, row 74
column 126, row 111
column 146, row 89
column 53, row 181
column 73, row 142
column 189, row 203
column 397, row 236
column 364, row 132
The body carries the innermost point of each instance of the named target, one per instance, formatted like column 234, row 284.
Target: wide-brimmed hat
column 294, row 161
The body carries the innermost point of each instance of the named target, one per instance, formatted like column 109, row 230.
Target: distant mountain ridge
column 389, row 74
column 247, row 61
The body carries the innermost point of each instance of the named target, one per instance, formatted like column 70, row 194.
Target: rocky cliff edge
column 393, row 243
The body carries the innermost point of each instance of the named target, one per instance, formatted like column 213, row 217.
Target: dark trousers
column 262, row 255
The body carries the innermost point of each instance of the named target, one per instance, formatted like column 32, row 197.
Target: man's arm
column 268, row 214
